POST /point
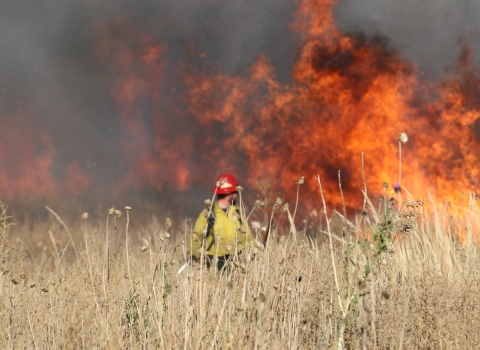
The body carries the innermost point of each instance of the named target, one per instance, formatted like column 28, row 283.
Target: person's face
column 233, row 198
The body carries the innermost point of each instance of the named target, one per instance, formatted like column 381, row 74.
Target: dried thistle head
column 111, row 211
column 222, row 181
column 239, row 188
column 127, row 208
column 259, row 204
column 402, row 137
column 397, row 188
column 207, row 202
column 278, row 202
column 256, row 225
column 118, row 213
column 284, row 207
column 168, row 223
column 85, row 216
column 301, row 181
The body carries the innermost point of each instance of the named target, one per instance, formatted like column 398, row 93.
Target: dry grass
column 420, row 293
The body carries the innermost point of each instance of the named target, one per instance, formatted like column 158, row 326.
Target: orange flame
column 350, row 95
column 27, row 158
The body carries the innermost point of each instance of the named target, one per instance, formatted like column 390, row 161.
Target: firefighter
column 221, row 229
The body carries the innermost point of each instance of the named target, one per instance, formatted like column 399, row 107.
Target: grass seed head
column 301, row 181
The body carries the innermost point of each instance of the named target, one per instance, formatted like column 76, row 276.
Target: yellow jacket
column 231, row 236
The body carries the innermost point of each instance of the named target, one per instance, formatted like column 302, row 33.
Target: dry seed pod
column 307, row 304
column 362, row 286
column 362, row 321
column 144, row 248
column 262, row 297
column 259, row 245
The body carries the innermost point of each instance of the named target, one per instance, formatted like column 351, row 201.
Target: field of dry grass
column 299, row 291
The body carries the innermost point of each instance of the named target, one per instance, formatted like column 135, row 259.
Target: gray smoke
column 429, row 33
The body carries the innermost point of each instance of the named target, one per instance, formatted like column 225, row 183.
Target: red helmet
column 228, row 185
